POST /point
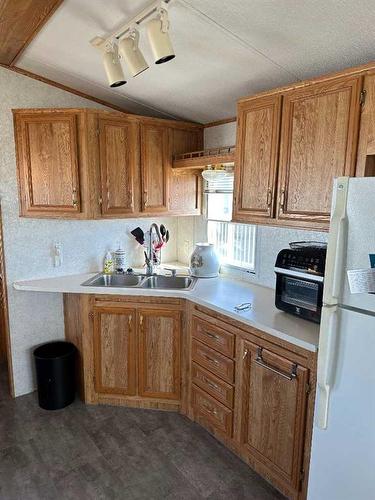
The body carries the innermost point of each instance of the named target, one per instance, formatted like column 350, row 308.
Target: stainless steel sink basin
column 169, row 282
column 157, row 282
column 114, row 280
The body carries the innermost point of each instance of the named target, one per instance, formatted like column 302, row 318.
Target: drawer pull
column 210, row 384
column 211, row 360
column 210, row 410
column 211, row 335
column 289, row 376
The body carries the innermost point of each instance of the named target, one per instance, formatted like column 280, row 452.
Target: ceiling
column 224, row 50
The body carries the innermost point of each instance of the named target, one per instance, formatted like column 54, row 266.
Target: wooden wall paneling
column 366, row 143
column 318, row 143
column 119, row 165
column 20, row 21
column 115, row 350
column 257, row 148
column 159, row 353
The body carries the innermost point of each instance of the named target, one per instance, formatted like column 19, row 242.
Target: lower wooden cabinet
column 272, row 407
column 159, row 353
column 115, row 350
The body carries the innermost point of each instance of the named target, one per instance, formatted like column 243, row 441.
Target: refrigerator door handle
column 326, row 363
column 337, row 241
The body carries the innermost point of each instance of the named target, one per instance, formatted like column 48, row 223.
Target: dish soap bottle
column 108, row 263
column 119, row 257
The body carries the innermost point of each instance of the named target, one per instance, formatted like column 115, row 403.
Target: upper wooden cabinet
column 318, row 143
column 84, row 164
column 258, row 126
column 155, row 165
column 366, row 145
column 119, row 165
column 48, row 160
column 284, row 174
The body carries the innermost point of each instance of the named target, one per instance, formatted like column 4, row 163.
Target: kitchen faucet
column 150, row 256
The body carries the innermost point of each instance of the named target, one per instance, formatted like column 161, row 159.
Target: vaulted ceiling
column 224, row 50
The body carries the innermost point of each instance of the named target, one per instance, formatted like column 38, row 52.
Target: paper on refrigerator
column 361, row 280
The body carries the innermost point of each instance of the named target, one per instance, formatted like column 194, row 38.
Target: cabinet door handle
column 269, row 197
column 245, row 353
column 289, row 376
column 145, row 198
column 282, row 200
column 74, row 198
column 130, row 320
column 141, row 320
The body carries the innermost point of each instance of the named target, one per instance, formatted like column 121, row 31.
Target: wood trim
column 348, row 72
column 21, row 20
column 4, row 305
column 200, row 159
column 220, row 122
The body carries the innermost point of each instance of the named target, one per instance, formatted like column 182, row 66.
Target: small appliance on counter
column 299, row 279
column 204, row 261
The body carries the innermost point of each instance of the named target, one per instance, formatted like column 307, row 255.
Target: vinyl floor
column 104, row 452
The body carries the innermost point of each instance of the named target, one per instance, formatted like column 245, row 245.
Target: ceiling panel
column 224, row 50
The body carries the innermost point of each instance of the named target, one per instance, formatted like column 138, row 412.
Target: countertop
column 219, row 294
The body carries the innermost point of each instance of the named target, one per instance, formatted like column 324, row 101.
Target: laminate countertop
column 219, row 294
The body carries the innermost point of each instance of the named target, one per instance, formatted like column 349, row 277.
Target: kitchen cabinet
column 88, row 164
column 159, row 353
column 48, row 162
column 273, row 409
column 119, row 165
column 115, row 350
column 318, row 143
column 366, row 144
column 185, row 196
column 258, row 130
column 284, row 173
column 155, row 166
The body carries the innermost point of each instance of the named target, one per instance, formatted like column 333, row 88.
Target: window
column 235, row 243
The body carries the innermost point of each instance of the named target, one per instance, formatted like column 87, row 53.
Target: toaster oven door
column 299, row 296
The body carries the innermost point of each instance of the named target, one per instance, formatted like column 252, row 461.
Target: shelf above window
column 201, row 159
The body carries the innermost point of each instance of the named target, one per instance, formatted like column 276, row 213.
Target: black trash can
column 55, row 364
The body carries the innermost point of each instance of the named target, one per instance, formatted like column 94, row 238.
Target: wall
column 37, row 317
column 270, row 240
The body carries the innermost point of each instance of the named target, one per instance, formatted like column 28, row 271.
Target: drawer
column 211, row 410
column 213, row 385
column 215, row 362
column 215, row 337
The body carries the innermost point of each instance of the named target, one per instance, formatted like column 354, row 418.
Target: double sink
column 157, row 282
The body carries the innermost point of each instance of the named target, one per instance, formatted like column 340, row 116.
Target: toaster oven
column 300, row 279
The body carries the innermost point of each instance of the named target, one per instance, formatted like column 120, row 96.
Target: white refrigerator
column 343, row 448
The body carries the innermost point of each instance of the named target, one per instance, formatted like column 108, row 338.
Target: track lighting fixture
column 125, row 41
column 131, row 54
column 113, row 67
column 158, row 36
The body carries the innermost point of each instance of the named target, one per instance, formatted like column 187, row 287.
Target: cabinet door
column 318, row 143
column 155, row 165
column 119, row 164
column 366, row 144
column 47, row 157
column 159, row 353
column 115, row 351
column 273, row 407
column 185, row 186
column 256, row 158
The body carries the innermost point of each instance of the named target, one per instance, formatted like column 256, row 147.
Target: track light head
column 113, row 67
column 157, row 30
column 130, row 52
